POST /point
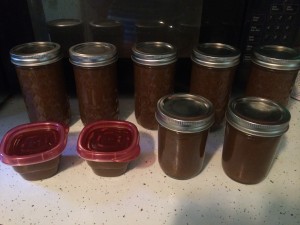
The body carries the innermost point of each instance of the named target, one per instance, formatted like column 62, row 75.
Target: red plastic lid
column 109, row 141
column 33, row 143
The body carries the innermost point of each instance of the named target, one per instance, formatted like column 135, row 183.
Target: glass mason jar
column 41, row 77
column 253, row 131
column 213, row 70
column 184, row 121
column 273, row 72
column 95, row 71
column 154, row 71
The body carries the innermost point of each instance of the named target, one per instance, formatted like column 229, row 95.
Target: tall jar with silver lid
column 184, row 121
column 252, row 135
column 213, row 70
column 273, row 72
column 42, row 81
column 95, row 71
column 154, row 71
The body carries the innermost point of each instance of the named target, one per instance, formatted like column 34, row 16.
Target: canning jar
column 273, row 72
column 66, row 32
column 184, row 121
column 154, row 71
column 110, row 31
column 95, row 71
column 41, row 77
column 213, row 69
column 253, row 131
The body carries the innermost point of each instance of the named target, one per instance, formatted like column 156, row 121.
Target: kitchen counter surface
column 144, row 194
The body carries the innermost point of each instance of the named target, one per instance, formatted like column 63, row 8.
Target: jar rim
column 93, row 54
column 276, row 57
column 185, row 113
column 35, row 53
column 216, row 55
column 154, row 53
column 258, row 116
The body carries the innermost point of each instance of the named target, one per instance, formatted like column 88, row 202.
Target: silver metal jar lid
column 216, row 55
column 93, row 54
column 35, row 54
column 64, row 22
column 185, row 113
column 276, row 57
column 154, row 53
column 258, row 116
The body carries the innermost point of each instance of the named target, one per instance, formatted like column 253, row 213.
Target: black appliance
column 249, row 23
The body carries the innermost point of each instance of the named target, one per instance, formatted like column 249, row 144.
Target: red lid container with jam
column 34, row 149
column 109, row 146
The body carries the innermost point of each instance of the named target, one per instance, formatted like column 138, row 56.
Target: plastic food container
column 34, row 149
column 109, row 146
column 252, row 135
column 184, row 121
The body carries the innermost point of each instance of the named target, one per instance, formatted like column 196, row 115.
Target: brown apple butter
column 213, row 70
column 39, row 171
column 273, row 72
column 41, row 77
column 154, row 70
column 95, row 73
column 184, row 121
column 252, row 135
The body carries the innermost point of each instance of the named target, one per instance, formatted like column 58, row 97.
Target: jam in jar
column 154, row 71
column 95, row 72
column 253, row 131
column 42, row 81
column 213, row 70
column 184, row 121
column 273, row 72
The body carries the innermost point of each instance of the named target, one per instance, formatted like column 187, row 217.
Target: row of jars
column 183, row 120
column 41, row 77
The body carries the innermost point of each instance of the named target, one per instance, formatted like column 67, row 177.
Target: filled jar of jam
column 154, row 71
column 184, row 121
column 253, row 131
column 40, row 73
column 273, row 72
column 95, row 71
column 213, row 70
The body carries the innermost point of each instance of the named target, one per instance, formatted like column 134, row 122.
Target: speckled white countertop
column 144, row 194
